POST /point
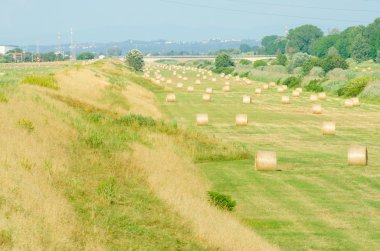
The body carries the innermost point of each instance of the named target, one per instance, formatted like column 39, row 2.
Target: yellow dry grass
column 186, row 194
column 37, row 215
column 141, row 101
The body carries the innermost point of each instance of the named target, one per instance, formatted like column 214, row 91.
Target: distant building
column 5, row 48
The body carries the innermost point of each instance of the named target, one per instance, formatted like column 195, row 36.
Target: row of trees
column 358, row 42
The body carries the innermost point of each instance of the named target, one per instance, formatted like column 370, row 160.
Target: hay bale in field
column 209, row 90
column 295, row 94
column 198, row 75
column 266, row 86
column 170, row 97
column 285, row 87
column 185, row 78
column 206, row 97
column 313, row 97
column 322, row 95
column 180, row 76
column 266, row 161
column 357, row 156
column 227, row 83
column 285, row 100
column 355, row 102
column 328, row 128
column 272, row 85
column 246, row 99
column 169, row 81
column 348, row 103
column 280, row 89
column 190, row 89
column 204, row 77
column 222, row 75
column 317, row 109
column 226, row 88
column 198, row 82
column 258, row 91
column 241, row 120
column 202, row 119
column 299, row 89
column 213, row 79
column 179, row 85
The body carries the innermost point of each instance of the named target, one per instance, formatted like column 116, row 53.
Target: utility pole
column 59, row 49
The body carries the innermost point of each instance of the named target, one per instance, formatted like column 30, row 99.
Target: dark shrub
column 292, row 82
column 259, row 63
column 245, row 62
column 354, row 87
column 222, row 201
column 314, row 86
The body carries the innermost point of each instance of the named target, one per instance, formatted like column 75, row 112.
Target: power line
column 303, row 6
column 259, row 13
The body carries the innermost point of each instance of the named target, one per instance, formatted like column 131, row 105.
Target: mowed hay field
column 317, row 202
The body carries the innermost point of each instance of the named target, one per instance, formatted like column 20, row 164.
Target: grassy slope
column 319, row 202
column 66, row 183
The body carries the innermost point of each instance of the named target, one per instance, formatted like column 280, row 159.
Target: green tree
column 274, row 44
column 334, row 61
column 298, row 60
column 86, row 56
column 48, row 57
column 378, row 57
column 281, row 59
column 360, row 48
column 301, row 38
column 344, row 42
column 321, row 46
column 135, row 60
column 223, row 60
column 372, row 33
column 245, row 48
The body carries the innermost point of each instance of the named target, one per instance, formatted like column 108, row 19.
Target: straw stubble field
column 317, row 202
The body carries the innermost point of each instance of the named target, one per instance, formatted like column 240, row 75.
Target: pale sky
column 23, row 22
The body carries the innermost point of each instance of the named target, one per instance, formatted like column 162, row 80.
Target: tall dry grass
column 177, row 182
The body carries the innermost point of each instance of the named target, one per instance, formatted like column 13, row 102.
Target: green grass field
column 317, row 202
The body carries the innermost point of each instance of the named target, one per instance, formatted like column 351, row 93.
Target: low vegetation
column 48, row 81
column 221, row 200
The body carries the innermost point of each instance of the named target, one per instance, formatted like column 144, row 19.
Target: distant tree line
column 358, row 42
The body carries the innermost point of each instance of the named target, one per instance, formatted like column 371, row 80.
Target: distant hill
column 154, row 47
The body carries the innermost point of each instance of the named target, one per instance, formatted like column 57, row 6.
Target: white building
column 5, row 48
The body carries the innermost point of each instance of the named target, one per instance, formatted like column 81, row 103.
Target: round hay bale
column 179, row 85
column 227, row 83
column 313, row 97
column 328, row 128
column 185, row 78
column 266, row 161
column 202, row 119
column 246, row 99
column 357, row 156
column 180, row 76
column 295, row 94
column 204, row 77
column 266, row 86
column 258, row 91
column 213, row 79
column 190, row 89
column 299, row 89
column 241, row 120
column 348, row 103
column 280, row 89
column 222, row 75
column 209, row 90
column 285, row 87
column 226, row 88
column 317, row 109
column 169, row 81
column 198, row 75
column 206, row 97
column 170, row 97
column 322, row 95
column 285, row 100
column 198, row 82
column 355, row 101
column 272, row 85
